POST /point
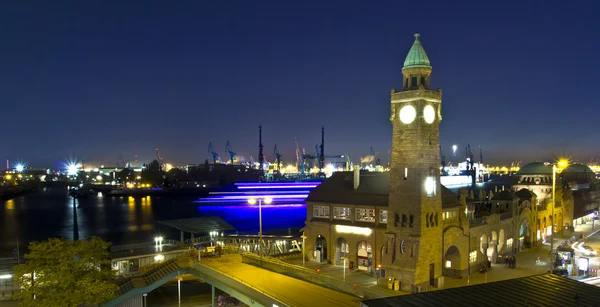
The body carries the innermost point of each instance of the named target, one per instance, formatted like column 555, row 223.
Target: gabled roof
column 373, row 190
column 416, row 56
column 537, row 290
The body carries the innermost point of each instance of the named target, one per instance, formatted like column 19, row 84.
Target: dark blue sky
column 99, row 79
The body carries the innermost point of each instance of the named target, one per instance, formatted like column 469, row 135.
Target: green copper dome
column 416, row 56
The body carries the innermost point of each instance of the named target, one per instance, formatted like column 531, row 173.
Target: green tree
column 66, row 273
column 153, row 173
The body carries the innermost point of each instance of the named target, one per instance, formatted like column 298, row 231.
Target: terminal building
column 407, row 226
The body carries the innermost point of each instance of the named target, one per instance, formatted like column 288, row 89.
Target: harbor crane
column 121, row 160
column 159, row 159
column 261, row 156
column 299, row 161
column 377, row 160
column 471, row 171
column 277, row 158
column 230, row 152
column 480, row 155
column 211, row 151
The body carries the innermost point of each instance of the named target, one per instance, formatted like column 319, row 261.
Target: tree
column 126, row 175
column 153, row 173
column 66, row 273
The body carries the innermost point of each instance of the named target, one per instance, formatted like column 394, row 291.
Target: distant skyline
column 96, row 80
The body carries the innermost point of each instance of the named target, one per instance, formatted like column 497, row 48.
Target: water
column 122, row 220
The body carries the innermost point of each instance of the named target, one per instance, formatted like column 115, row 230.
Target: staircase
column 148, row 277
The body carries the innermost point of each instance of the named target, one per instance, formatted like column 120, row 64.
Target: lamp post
column 303, row 251
column 253, row 201
column 344, row 258
column 556, row 168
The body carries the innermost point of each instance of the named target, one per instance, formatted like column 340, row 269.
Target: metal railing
column 216, row 274
column 311, row 276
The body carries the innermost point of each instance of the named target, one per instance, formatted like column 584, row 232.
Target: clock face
column 407, row 114
column 402, row 247
column 429, row 114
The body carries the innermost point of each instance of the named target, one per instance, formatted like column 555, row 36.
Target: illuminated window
column 509, row 243
column 430, row 186
column 321, row 211
column 473, row 257
column 365, row 215
column 382, row 216
column 405, row 173
column 341, row 213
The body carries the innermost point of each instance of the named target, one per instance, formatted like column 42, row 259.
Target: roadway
column 293, row 291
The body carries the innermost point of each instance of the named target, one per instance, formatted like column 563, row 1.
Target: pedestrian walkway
column 358, row 277
column 527, row 264
column 293, row 291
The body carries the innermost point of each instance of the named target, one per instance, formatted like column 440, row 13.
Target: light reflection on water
column 52, row 213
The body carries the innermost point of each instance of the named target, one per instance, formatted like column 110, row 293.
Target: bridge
column 249, row 284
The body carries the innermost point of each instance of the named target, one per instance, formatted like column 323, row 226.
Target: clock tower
column 412, row 253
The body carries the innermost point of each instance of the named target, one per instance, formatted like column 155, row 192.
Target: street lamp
column 303, row 250
column 556, row 168
column 267, row 201
column 158, row 241
column 344, row 259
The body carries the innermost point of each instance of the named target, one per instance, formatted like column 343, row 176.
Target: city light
column 6, row 276
column 353, row 230
column 72, row 169
column 19, row 167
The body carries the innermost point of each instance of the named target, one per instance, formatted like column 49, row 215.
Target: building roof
column 416, row 55
column 540, row 168
column 537, row 290
column 199, row 224
column 525, row 193
column 536, row 168
column 578, row 168
column 373, row 190
column 503, row 195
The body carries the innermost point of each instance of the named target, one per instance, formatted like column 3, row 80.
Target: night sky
column 97, row 79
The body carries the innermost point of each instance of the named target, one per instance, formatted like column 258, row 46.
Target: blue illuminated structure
column 280, row 192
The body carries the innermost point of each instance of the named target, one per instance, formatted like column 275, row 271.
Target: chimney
column 356, row 177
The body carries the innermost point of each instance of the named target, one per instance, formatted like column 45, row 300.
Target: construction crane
column 159, row 159
column 211, row 151
column 377, row 160
column 277, row 159
column 230, row 152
